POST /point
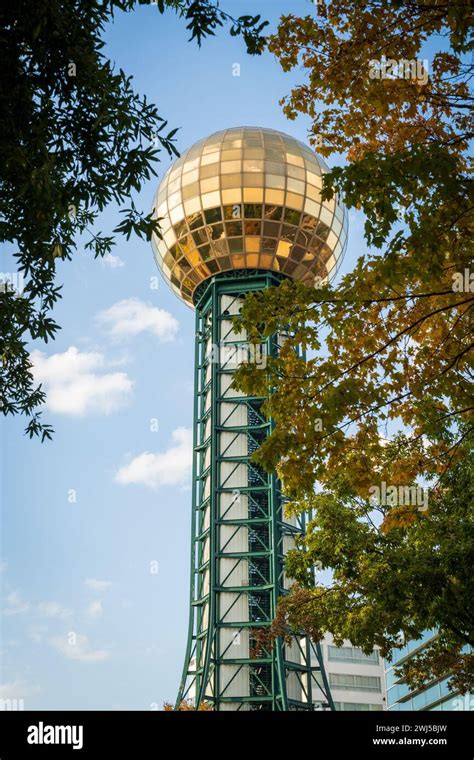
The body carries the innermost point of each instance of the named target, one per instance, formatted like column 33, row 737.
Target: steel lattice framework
column 239, row 533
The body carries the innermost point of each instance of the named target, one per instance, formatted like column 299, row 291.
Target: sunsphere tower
column 241, row 210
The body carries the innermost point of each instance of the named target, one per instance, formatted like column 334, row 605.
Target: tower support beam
column 240, row 534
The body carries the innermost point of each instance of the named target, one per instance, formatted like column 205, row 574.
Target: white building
column 357, row 680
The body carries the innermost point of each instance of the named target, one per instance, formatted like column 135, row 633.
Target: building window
column 357, row 706
column 351, row 682
column 352, row 654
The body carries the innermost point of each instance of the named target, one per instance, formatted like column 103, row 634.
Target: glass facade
column 357, row 707
column 247, row 198
column 435, row 696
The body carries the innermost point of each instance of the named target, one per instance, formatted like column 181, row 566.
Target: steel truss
column 239, row 532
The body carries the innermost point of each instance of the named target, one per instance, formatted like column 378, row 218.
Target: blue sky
column 95, row 568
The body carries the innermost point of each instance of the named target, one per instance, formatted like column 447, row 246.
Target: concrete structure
column 241, row 211
column 357, row 681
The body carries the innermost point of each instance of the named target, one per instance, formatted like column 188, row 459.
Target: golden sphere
column 247, row 198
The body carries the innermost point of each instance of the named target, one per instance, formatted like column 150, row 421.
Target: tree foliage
column 412, row 577
column 75, row 137
column 187, row 706
column 384, row 394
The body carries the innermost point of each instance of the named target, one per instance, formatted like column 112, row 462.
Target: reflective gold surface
column 246, row 198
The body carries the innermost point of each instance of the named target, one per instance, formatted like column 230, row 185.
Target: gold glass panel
column 314, row 179
column 190, row 177
column 295, row 160
column 210, row 158
column 190, row 164
column 192, row 205
column 191, row 190
column 253, row 180
column 274, row 180
column 236, row 245
column 311, row 207
column 254, row 153
column 168, row 260
column 176, row 214
column 210, row 199
column 234, row 172
column 252, row 260
column 230, row 167
column 294, row 201
column 238, row 261
column 233, row 229
column 236, row 142
column 231, row 180
column 332, row 240
column 231, row 196
column 253, row 195
column 266, row 261
column 296, row 172
column 216, row 231
column 211, row 146
column 295, row 185
column 271, row 229
column 274, row 167
column 210, row 184
column 283, row 248
column 220, row 247
column 252, row 244
column 252, row 165
column 314, row 193
column 208, row 171
column 231, row 155
column 162, row 196
column 275, row 196
column 225, row 263
column 277, row 156
column 326, row 216
column 253, row 227
column 330, row 205
column 169, row 238
column 174, row 186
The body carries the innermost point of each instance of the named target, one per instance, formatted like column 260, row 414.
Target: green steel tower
column 240, row 211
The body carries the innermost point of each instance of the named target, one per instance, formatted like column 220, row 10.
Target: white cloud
column 15, row 604
column 94, row 609
column 37, row 633
column 79, row 649
column 76, row 385
column 172, row 467
column 53, row 610
column 113, row 262
column 96, row 585
column 131, row 317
